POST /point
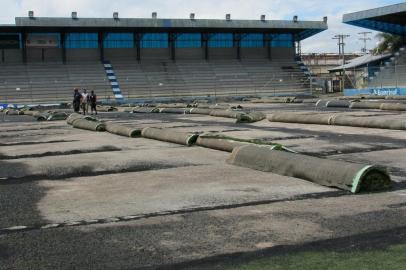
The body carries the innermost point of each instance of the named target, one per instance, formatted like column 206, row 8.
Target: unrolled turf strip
column 353, row 177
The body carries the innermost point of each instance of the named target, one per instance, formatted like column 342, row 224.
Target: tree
column 389, row 43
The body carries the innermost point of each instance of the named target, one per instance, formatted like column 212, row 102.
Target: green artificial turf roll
column 250, row 117
column 218, row 143
column 369, row 122
column 89, row 125
column 168, row 135
column 74, row 116
column 122, row 130
column 393, row 106
column 57, row 116
column 145, row 110
column 174, row 110
column 200, row 111
column 302, row 118
column 338, row 104
column 365, row 105
column 226, row 113
column 349, row 176
column 101, row 108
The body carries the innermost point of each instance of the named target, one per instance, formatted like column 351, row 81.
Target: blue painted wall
column 375, row 91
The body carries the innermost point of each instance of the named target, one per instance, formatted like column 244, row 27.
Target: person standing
column 76, row 100
column 84, row 102
column 93, row 100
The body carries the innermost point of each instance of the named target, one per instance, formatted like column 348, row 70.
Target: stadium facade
column 42, row 59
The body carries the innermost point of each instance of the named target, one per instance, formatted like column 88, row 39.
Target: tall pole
column 365, row 38
column 341, row 48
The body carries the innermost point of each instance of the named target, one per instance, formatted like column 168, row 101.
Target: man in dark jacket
column 93, row 100
column 76, row 100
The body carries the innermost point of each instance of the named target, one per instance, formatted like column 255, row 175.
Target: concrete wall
column 189, row 53
column 34, row 55
column 120, row 54
column 53, row 55
column 222, row 53
column 76, row 55
column 283, row 53
column 254, row 53
column 155, row 54
column 13, row 56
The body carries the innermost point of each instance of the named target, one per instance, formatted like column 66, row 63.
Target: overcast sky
column 208, row 9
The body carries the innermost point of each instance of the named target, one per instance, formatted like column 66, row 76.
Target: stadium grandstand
column 43, row 59
column 390, row 77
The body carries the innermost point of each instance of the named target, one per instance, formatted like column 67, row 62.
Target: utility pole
column 341, row 45
column 365, row 38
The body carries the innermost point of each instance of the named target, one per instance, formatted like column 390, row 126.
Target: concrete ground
column 76, row 199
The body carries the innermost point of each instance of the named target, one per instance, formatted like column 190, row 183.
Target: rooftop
column 389, row 19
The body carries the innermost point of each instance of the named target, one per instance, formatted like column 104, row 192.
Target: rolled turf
column 226, row 143
column 393, row 106
column 174, row 110
column 89, row 125
column 145, row 110
column 218, row 143
column 250, row 117
column 168, row 135
column 75, row 116
column 106, row 108
column 331, row 173
column 365, row 105
column 301, row 118
column 338, row 104
column 369, row 122
column 226, row 113
column 122, row 130
column 338, row 119
column 200, row 111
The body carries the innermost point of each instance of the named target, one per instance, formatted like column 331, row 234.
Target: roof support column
column 205, row 44
column 172, row 45
column 24, row 47
column 100, row 37
column 137, row 44
column 237, row 44
column 63, row 46
column 268, row 45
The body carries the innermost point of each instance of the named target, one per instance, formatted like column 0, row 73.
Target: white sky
column 210, row 9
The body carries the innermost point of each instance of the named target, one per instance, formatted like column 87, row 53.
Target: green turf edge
column 356, row 183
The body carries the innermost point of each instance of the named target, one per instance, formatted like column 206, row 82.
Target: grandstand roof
column 389, row 19
column 303, row 29
column 362, row 61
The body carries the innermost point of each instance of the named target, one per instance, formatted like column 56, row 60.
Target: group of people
column 81, row 101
